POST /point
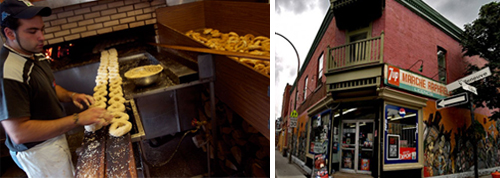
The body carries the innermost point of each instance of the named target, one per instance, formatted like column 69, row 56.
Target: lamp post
column 296, row 91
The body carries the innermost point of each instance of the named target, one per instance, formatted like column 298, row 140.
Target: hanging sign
column 412, row 82
column 483, row 73
column 468, row 88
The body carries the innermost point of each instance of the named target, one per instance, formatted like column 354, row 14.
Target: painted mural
column 448, row 141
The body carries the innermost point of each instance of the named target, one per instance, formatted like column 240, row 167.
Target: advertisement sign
column 406, row 153
column 365, row 164
column 412, row 82
column 320, row 147
column 392, row 147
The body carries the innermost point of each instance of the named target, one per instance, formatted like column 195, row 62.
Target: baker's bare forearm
column 24, row 130
column 63, row 95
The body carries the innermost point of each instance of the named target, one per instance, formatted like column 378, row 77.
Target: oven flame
column 48, row 53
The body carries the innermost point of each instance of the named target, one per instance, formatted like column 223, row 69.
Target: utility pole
column 474, row 143
column 296, row 93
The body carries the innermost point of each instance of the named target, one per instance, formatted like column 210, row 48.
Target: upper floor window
column 441, row 56
column 320, row 70
column 358, row 51
column 305, row 88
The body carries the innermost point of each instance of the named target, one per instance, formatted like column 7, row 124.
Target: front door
column 357, row 146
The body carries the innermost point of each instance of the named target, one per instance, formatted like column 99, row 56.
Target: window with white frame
column 305, row 88
column 320, row 70
column 441, row 55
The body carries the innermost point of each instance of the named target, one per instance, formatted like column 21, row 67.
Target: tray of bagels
column 241, row 83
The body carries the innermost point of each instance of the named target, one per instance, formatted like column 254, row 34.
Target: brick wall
column 409, row 38
column 98, row 17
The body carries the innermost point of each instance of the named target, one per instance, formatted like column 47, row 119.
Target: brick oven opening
column 88, row 49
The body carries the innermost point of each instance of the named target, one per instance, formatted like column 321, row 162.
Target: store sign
column 409, row 81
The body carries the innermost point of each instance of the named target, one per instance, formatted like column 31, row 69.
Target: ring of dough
column 112, row 51
column 101, row 82
column 100, row 77
column 100, row 104
column 115, row 82
column 102, row 72
column 116, row 107
column 113, row 63
column 113, row 75
column 113, row 79
column 116, row 99
column 113, row 58
column 120, row 128
column 120, row 116
column 112, row 70
column 115, row 93
column 113, row 87
column 99, row 98
column 100, row 87
column 101, row 93
column 103, row 67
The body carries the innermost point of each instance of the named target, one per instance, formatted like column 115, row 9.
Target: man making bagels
column 30, row 108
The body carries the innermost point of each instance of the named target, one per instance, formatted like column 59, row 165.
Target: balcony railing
column 356, row 53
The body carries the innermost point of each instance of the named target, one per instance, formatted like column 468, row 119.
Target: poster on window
column 406, row 153
column 393, row 147
column 401, row 135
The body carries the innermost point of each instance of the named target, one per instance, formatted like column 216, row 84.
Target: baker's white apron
column 51, row 158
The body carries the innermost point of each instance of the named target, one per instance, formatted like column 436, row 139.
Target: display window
column 401, row 135
column 320, row 126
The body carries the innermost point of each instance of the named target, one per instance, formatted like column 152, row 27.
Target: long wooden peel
column 213, row 51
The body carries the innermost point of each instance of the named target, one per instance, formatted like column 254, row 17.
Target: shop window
column 320, row 70
column 401, row 135
column 305, row 88
column 441, row 55
column 319, row 133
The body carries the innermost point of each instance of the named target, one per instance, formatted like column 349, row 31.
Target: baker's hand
column 95, row 115
column 79, row 99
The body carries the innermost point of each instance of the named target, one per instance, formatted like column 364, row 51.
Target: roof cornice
column 432, row 16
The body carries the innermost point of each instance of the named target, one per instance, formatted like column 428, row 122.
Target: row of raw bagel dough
column 109, row 86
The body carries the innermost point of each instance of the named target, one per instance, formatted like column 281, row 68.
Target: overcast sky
column 299, row 21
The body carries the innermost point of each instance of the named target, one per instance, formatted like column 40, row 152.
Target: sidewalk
column 283, row 169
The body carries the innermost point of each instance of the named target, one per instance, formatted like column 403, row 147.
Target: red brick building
column 366, row 106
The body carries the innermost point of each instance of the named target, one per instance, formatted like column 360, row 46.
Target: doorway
column 357, row 146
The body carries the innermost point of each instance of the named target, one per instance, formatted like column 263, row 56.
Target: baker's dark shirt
column 27, row 89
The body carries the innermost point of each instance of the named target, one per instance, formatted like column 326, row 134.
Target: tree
column 482, row 38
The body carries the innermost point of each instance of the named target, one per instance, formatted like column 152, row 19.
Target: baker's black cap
column 22, row 9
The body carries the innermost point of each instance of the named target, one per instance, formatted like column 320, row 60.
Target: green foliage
column 482, row 38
